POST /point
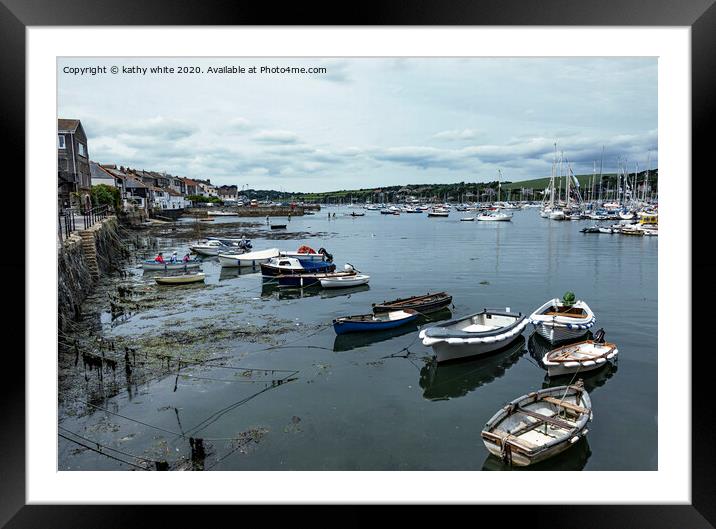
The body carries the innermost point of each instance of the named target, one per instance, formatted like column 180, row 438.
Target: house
column 73, row 169
column 120, row 178
column 228, row 193
column 206, row 189
column 100, row 176
column 138, row 194
column 192, row 187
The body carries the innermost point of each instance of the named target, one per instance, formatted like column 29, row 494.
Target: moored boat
column 438, row 212
column 539, row 425
column 247, row 259
column 563, row 319
column 150, row 264
column 495, row 217
column 467, row 219
column 290, row 266
column 473, row 335
column 423, row 304
column 373, row 322
column 580, row 356
column 344, row 281
column 181, row 280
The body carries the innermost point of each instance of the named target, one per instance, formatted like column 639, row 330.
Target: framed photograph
column 411, row 258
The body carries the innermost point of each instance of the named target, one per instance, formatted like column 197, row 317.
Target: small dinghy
column 181, row 280
column 590, row 229
column 539, row 425
column 423, row 304
column 151, row 264
column 252, row 259
column 344, row 281
column 373, row 322
column 354, row 214
column 278, row 226
column 473, row 335
column 581, row 356
column 467, row 219
column 563, row 319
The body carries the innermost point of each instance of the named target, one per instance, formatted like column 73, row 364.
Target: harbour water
column 278, row 390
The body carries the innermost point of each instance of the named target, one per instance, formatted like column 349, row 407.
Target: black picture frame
column 699, row 15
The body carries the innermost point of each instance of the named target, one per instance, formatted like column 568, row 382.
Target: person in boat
column 173, row 258
column 187, row 258
column 159, row 258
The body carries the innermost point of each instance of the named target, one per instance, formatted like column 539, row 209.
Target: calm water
column 364, row 402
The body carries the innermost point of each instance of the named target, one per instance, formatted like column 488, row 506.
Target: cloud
column 454, row 135
column 275, row 136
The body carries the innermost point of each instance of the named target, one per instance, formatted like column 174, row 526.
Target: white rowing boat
column 580, row 356
column 557, row 320
column 345, row 281
column 473, row 335
column 539, row 425
column 167, row 265
column 252, row 259
column 181, row 280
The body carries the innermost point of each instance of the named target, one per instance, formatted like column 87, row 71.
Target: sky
column 365, row 122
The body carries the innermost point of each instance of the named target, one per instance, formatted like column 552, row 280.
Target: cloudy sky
column 366, row 122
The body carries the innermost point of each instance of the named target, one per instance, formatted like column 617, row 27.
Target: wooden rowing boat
column 580, row 356
column 423, row 304
column 181, row 280
column 539, row 425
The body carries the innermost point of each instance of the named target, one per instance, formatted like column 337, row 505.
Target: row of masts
column 626, row 193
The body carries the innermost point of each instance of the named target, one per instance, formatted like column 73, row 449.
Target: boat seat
column 567, row 314
column 550, row 420
column 476, row 327
column 507, row 437
column 567, row 405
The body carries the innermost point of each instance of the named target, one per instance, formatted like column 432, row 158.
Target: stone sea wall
column 83, row 258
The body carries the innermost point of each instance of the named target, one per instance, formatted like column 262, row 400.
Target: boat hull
column 180, row 280
column 424, row 307
column 554, row 334
column 248, row 260
column 152, row 265
column 344, row 282
column 446, row 352
column 344, row 327
column 268, row 270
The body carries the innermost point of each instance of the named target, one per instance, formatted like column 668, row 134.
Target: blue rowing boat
column 374, row 322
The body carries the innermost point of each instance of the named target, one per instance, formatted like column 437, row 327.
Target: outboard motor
column 348, row 267
column 599, row 336
column 328, row 256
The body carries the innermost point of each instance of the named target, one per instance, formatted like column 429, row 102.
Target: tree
column 103, row 194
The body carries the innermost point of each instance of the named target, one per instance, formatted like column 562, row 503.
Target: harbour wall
column 274, row 211
column 84, row 257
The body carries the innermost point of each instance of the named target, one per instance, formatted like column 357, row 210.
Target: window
column 81, row 149
column 60, row 141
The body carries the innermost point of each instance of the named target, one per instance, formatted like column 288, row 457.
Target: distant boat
column 539, row 425
column 181, row 280
column 423, row 304
column 278, row 226
column 222, row 213
column 355, row 214
column 467, row 219
column 495, row 217
column 557, row 320
column 473, row 335
column 247, row 259
column 373, row 322
column 438, row 212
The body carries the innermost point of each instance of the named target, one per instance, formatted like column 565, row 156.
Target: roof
column 190, row 182
column 67, row 125
column 96, row 171
column 132, row 181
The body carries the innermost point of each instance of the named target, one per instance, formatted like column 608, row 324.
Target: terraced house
column 73, row 169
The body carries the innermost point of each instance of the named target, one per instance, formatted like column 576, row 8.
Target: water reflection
column 449, row 381
column 573, row 458
column 272, row 290
column 592, row 379
column 233, row 273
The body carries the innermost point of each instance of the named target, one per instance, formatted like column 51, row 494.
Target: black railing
column 67, row 222
column 95, row 214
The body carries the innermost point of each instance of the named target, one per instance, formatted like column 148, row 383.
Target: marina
column 241, row 361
